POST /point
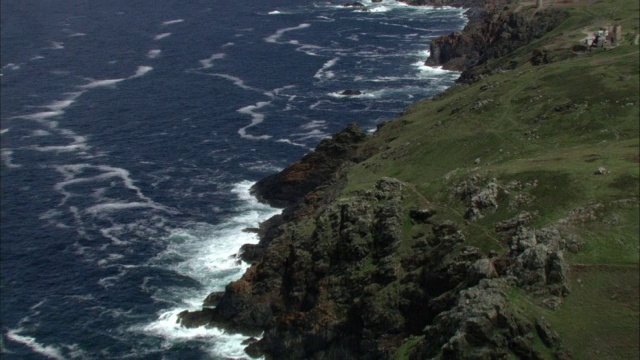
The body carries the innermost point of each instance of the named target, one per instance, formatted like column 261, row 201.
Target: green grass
column 554, row 124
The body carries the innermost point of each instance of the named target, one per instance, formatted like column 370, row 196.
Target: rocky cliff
column 492, row 33
column 450, row 232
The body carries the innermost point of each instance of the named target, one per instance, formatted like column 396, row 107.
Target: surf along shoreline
column 260, row 302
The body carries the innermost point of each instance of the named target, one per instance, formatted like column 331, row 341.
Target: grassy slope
column 553, row 125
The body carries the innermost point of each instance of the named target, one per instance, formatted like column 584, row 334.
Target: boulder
column 353, row 4
column 349, row 92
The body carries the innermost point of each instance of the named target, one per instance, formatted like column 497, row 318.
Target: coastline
column 332, row 277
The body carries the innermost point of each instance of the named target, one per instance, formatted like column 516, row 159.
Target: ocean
column 132, row 131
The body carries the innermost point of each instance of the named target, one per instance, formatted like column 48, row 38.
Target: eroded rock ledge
column 337, row 277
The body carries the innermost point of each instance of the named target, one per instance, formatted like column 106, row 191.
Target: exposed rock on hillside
column 317, row 168
column 492, row 34
column 398, row 245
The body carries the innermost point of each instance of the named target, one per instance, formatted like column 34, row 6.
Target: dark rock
column 481, row 325
column 249, row 341
column 353, row 4
column 320, row 167
column 251, row 253
column 351, row 92
column 539, row 57
column 213, row 299
column 192, row 319
column 549, row 337
column 254, row 350
column 490, row 34
column 580, row 48
column 421, row 216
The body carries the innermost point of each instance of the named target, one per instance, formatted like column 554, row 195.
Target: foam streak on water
column 128, row 129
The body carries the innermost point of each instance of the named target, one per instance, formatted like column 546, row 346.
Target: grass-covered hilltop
column 498, row 220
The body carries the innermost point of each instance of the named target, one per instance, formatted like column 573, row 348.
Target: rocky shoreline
column 337, row 277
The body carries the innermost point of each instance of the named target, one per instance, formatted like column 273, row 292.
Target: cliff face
column 450, row 232
column 491, row 35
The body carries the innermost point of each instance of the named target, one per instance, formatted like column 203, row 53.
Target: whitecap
column 117, row 206
column 161, row 36
column 276, row 36
column 313, row 134
column 314, row 124
column 39, row 116
column 101, row 83
column 171, row 22
column 434, row 72
column 236, row 81
column 12, row 66
column 228, row 44
column 274, row 12
column 37, row 57
column 287, row 141
column 206, row 253
column 323, row 73
column 141, row 71
column 4, row 131
column 379, row 9
column 256, row 118
column 49, row 351
column 57, row 45
column 153, row 53
column 310, row 49
column 78, row 34
column 208, row 62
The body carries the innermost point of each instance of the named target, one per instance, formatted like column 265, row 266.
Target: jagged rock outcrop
column 481, row 325
column 317, row 168
column 342, row 282
column 338, row 275
column 491, row 34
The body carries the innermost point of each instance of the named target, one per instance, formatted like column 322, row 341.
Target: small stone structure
column 605, row 37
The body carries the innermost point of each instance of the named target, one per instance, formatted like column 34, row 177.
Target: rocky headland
column 452, row 231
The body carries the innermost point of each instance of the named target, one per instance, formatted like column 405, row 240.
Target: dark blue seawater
column 131, row 132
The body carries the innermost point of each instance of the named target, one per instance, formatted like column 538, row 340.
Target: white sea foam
column 49, row 351
column 72, row 171
column 12, row 66
column 274, row 12
column 101, row 83
column 39, row 116
column 57, row 45
column 75, row 146
column 314, row 124
column 207, row 254
column 4, row 131
column 311, row 50
column 236, row 81
column 379, row 9
column 290, row 142
column 278, row 34
column 40, row 132
column 171, row 22
column 435, row 72
column 161, row 36
column 117, row 206
column 256, row 118
column 313, row 134
column 7, row 158
column 153, row 53
column 324, row 72
column 208, row 62
column 141, row 71
column 37, row 57
column 228, row 44
column 78, row 34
